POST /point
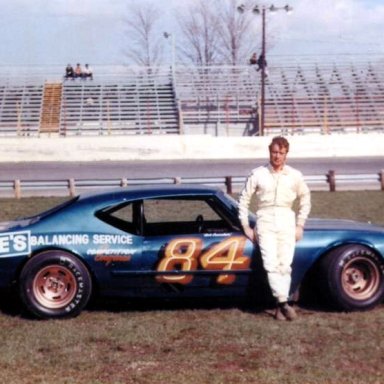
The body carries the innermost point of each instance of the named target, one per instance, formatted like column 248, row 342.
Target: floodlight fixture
column 241, row 8
column 262, row 10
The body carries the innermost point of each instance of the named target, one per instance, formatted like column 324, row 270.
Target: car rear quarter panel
column 315, row 244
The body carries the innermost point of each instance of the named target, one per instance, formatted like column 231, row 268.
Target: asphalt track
column 179, row 168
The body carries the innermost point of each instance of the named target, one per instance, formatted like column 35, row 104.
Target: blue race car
column 174, row 241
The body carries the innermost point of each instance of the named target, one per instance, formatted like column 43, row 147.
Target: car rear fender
column 304, row 271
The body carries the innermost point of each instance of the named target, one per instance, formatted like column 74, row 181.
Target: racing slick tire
column 352, row 278
column 55, row 284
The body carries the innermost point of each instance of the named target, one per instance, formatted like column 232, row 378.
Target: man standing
column 276, row 186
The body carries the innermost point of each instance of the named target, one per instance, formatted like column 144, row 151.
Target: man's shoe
column 288, row 312
column 279, row 315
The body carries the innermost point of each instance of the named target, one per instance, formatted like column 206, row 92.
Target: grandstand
column 219, row 100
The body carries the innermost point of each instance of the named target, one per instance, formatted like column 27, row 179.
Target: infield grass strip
column 145, row 343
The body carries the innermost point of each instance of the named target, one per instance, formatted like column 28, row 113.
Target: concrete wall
column 153, row 147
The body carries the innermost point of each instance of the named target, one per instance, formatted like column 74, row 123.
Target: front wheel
column 353, row 278
column 55, row 284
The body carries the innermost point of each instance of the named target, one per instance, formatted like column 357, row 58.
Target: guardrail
column 330, row 181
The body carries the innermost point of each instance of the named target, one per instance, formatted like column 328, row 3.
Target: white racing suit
column 276, row 223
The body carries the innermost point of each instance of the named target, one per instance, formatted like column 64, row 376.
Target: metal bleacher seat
column 139, row 102
column 20, row 107
column 216, row 96
column 222, row 100
column 324, row 99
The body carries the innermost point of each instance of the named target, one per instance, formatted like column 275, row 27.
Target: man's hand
column 299, row 232
column 250, row 233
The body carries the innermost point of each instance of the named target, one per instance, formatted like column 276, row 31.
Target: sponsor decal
column 60, row 239
column 108, row 259
column 218, row 234
column 106, row 251
column 187, row 254
column 112, row 239
column 80, row 239
column 108, row 256
column 15, row 243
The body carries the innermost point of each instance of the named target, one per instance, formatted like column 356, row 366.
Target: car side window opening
column 126, row 217
column 167, row 216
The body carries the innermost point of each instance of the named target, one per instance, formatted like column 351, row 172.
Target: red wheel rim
column 54, row 286
column 361, row 278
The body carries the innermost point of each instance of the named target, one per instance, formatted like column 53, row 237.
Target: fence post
column 381, row 178
column 71, row 187
column 17, row 188
column 123, row 182
column 228, row 184
column 331, row 180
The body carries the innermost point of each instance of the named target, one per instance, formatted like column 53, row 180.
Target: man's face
column 277, row 157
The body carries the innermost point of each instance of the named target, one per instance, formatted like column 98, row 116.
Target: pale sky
column 57, row 32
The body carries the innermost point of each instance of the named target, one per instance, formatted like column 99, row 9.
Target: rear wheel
column 352, row 278
column 55, row 284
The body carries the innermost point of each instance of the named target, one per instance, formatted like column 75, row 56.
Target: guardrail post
column 331, row 179
column 17, row 188
column 228, row 184
column 381, row 178
column 71, row 187
column 123, row 182
column 177, row 180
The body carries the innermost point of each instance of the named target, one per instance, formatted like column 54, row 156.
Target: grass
column 132, row 342
column 186, row 345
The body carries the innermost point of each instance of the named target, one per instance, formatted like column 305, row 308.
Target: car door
column 189, row 247
column 117, row 248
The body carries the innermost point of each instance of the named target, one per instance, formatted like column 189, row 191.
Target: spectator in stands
column 253, row 59
column 262, row 63
column 252, row 127
column 87, row 73
column 78, row 71
column 69, row 73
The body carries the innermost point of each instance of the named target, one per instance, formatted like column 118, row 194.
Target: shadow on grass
column 118, row 305
column 155, row 304
column 11, row 305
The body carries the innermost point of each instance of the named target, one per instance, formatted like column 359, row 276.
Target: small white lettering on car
column 15, row 243
column 4, row 244
column 107, row 251
column 112, row 239
column 20, row 243
column 60, row 239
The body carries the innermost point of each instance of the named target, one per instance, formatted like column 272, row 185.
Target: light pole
column 167, row 36
column 257, row 11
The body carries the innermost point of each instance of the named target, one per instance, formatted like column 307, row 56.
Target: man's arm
column 304, row 196
column 244, row 203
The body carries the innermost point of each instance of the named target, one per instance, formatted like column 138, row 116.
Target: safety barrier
column 231, row 184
